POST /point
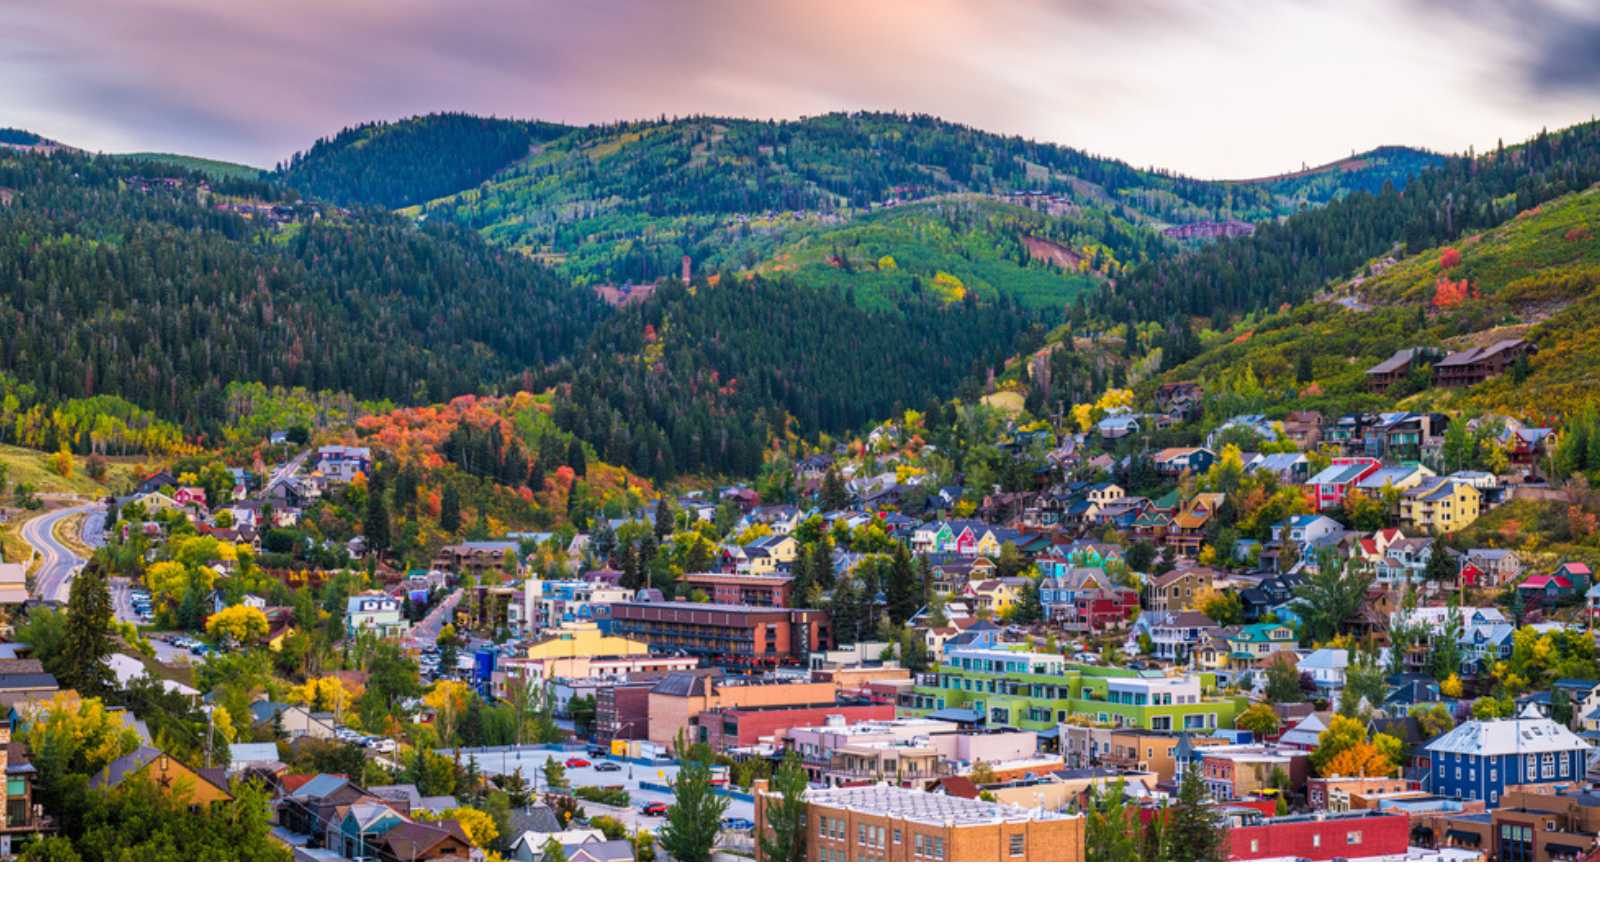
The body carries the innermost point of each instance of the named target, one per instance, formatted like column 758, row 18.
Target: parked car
column 607, row 766
column 383, row 745
column 577, row 762
column 653, row 808
column 735, row 823
column 596, row 752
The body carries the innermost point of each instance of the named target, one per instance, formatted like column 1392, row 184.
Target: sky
column 1211, row 88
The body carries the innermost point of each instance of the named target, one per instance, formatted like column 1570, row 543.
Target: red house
column 1319, row 837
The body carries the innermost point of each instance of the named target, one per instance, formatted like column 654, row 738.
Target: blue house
column 1479, row 760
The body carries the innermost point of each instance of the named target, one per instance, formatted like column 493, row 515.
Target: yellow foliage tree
column 325, row 694
column 167, row 580
column 479, row 825
column 68, row 734
column 238, row 625
column 448, row 700
column 1451, row 686
column 61, row 461
column 222, row 720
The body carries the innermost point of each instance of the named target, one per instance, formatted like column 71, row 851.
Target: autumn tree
column 238, row 625
column 1260, row 720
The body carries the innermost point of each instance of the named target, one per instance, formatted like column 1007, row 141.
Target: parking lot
column 497, row 761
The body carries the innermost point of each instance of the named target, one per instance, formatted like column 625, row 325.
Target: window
column 1018, row 845
column 1255, row 846
column 1566, row 765
column 822, row 826
column 1532, row 767
column 1316, row 840
column 897, row 836
column 1352, row 838
column 916, row 841
column 861, row 834
column 938, row 848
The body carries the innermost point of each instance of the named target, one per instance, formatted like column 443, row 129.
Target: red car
column 654, row 808
column 576, row 762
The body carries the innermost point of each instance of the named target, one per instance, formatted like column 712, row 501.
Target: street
column 59, row 564
column 426, row 632
column 286, row 471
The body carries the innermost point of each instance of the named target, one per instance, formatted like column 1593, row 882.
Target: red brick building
column 1319, row 836
column 737, row 726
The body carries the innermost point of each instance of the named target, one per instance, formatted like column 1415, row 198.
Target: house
column 341, row 464
column 1177, row 589
column 1319, row 836
column 1175, row 634
column 1118, row 426
column 361, row 829
column 1404, row 562
column 1175, row 462
column 1481, row 760
column 21, row 819
column 1290, row 468
column 199, row 787
column 1440, row 505
column 1190, row 525
column 1327, row 669
column 1306, row 733
column 530, row 845
column 1398, row 476
column 1304, row 428
column 1330, row 485
column 476, row 557
column 1251, row 644
column 1566, row 584
column 1397, row 368
column 442, row 841
column 1468, row 367
column 377, row 613
column 1485, row 567
column 1307, row 532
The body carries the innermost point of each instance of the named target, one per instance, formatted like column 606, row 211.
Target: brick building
column 741, row 590
column 676, row 700
column 735, row 636
column 739, row 726
column 1318, row 836
column 894, row 824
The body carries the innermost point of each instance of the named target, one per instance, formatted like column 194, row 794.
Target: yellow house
column 989, row 544
column 1440, row 506
column 584, row 639
column 1106, row 492
column 202, row 788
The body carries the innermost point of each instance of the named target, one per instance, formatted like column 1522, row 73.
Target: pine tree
column 666, row 519
column 376, row 527
column 88, row 637
column 450, row 510
column 834, row 495
column 1192, row 834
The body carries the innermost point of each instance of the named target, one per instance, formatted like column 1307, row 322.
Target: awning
column 1465, row 837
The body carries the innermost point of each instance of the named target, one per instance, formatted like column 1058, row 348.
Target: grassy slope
column 24, row 466
column 1537, row 276
column 970, row 239
column 211, row 168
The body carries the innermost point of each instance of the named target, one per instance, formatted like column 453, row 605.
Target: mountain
column 124, row 277
column 624, row 203
column 393, row 164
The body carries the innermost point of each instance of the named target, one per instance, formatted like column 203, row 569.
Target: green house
column 1011, row 686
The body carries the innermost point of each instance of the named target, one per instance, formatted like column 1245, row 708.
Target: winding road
column 60, row 563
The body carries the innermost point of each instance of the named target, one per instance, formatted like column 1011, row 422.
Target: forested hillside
column 702, row 380
column 1536, row 277
column 113, row 281
column 392, row 164
column 1289, row 261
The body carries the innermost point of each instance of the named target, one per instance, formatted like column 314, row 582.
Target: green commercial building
column 1038, row 691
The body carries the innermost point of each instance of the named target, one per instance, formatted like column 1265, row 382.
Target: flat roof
column 920, row 806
